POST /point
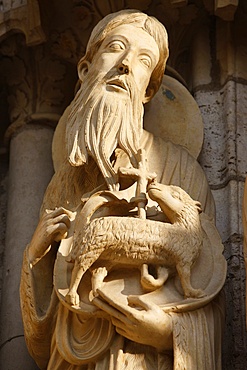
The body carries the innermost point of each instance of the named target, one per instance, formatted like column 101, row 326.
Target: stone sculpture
column 99, row 286
column 138, row 241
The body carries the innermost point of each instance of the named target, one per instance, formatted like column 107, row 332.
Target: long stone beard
column 100, row 121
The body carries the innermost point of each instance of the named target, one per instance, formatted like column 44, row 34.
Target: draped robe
column 196, row 333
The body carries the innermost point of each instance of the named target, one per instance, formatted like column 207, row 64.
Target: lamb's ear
column 198, row 206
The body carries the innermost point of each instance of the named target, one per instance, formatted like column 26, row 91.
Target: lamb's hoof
column 72, row 298
column 99, row 273
column 195, row 293
column 92, row 294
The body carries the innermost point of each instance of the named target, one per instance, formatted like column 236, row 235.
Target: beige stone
column 174, row 115
column 127, row 223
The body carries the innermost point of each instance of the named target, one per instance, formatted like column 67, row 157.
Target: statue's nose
column 123, row 68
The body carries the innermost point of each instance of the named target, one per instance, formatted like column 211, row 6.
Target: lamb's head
column 174, row 201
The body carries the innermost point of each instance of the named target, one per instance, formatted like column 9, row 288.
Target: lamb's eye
column 176, row 195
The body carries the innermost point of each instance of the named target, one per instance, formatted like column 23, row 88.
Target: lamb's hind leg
column 98, row 275
column 184, row 272
column 150, row 283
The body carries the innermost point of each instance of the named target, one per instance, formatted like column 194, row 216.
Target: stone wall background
column 3, row 212
column 222, row 100
column 208, row 48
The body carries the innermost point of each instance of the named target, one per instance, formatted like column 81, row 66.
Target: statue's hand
column 147, row 325
column 52, row 227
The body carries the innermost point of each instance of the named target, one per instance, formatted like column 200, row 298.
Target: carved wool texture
column 129, row 240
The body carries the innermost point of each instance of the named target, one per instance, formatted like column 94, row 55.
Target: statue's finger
column 60, row 210
column 124, row 310
column 63, row 218
column 114, row 313
column 125, row 333
column 58, row 231
column 138, row 302
column 123, row 324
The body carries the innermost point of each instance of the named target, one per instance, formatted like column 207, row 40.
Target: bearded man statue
column 106, row 298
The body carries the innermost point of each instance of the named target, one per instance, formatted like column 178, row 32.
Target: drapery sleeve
column 38, row 306
column 197, row 337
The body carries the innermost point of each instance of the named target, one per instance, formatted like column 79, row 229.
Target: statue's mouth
column 118, row 84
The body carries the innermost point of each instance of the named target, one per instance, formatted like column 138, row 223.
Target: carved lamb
column 138, row 242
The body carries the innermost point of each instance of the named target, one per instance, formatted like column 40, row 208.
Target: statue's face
column 127, row 51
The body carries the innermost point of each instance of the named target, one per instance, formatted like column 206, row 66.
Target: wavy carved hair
column 140, row 20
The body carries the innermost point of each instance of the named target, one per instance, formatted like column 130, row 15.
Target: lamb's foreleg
column 82, row 264
column 72, row 297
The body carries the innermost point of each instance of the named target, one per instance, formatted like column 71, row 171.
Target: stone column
column 220, row 88
column 30, row 170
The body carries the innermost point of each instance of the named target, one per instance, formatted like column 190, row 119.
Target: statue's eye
column 176, row 194
column 116, row 45
column 145, row 59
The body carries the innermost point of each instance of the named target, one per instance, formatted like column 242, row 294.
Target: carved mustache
column 118, row 82
column 125, row 82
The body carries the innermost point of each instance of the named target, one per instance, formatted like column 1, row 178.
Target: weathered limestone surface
column 208, row 51
column 223, row 104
